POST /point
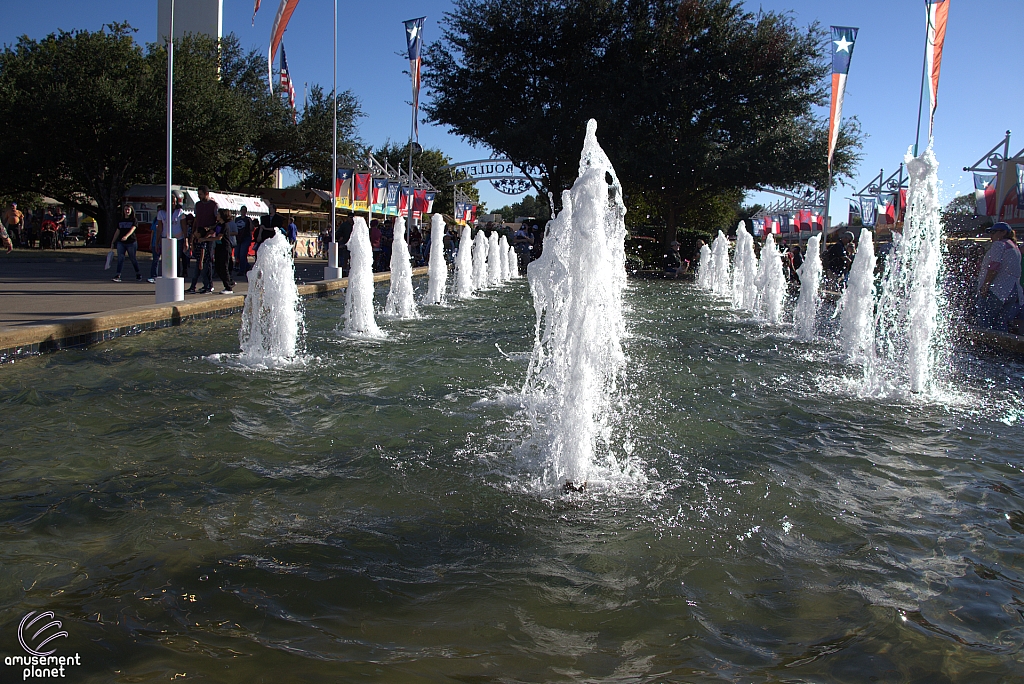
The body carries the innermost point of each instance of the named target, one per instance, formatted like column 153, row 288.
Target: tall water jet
column 400, row 302
column 513, row 263
column 771, row 283
column 857, row 305
column 744, row 270
column 503, row 253
column 705, row 274
column 464, row 265
column 908, row 307
column 272, row 318
column 438, row 267
column 721, row 277
column 480, row 261
column 577, row 287
column 493, row 260
column 805, row 313
column 359, row 320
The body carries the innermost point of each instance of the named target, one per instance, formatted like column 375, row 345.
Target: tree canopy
column 86, row 118
column 695, row 99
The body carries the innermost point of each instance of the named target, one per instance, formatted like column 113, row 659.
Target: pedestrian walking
column 126, row 242
column 203, row 227
column 243, row 226
column 222, row 250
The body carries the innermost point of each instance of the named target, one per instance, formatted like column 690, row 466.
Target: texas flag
column 843, row 38
column 985, row 194
column 380, row 190
column 343, row 188
column 886, row 209
column 414, row 40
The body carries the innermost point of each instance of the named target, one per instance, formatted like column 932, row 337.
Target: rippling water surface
column 373, row 515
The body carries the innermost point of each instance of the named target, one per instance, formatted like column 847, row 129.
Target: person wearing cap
column 1000, row 295
column 674, row 264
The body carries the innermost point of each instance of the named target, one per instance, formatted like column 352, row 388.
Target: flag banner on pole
column 361, row 191
column 414, row 38
column 868, row 211
column 886, row 210
column 286, row 83
column 758, row 227
column 391, row 203
column 419, row 202
column 343, row 189
column 380, row 191
column 472, row 212
column 429, row 199
column 985, row 194
column 938, row 13
column 843, row 38
column 405, row 200
column 284, row 14
column 901, row 209
column 854, row 213
column 766, row 225
column 459, row 211
column 1020, row 186
column 804, row 218
column 817, row 222
column 254, row 11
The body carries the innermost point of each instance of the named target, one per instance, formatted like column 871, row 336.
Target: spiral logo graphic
column 40, row 637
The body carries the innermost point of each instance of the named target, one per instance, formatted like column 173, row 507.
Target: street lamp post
column 334, row 269
column 169, row 286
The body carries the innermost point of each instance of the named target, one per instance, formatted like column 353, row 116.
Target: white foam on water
column 744, row 268
column 464, row 283
column 771, row 284
column 572, row 384
column 272, row 320
column 438, row 267
column 358, row 320
column 857, row 305
column 400, row 302
column 805, row 313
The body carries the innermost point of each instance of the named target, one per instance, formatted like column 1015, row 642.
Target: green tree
column 695, row 99
column 531, row 205
column 82, row 119
column 961, row 214
column 314, row 129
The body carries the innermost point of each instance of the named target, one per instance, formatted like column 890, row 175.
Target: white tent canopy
column 226, row 200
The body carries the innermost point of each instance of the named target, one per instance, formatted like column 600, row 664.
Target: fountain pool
column 372, row 515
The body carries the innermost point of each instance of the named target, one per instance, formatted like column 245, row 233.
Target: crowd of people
column 45, row 228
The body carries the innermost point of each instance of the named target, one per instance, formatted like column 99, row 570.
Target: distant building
column 190, row 16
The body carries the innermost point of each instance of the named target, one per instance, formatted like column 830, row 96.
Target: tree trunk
column 670, row 226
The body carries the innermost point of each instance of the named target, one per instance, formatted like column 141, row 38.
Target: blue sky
column 979, row 98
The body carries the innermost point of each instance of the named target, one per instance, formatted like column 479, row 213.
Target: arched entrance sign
column 505, row 176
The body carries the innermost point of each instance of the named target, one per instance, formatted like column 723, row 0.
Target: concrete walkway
column 50, row 301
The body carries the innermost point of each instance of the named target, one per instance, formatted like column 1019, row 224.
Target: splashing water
column 503, row 253
column 438, row 271
column 272, row 318
column 744, row 267
column 400, row 302
column 705, row 273
column 721, row 277
column 464, row 265
column 513, row 263
column 857, row 305
column 577, row 287
column 480, row 261
column 805, row 313
column 493, row 260
column 771, row 284
column 908, row 308
column 359, row 320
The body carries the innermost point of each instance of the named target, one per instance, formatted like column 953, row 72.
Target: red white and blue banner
column 343, row 189
column 254, row 11
column 843, row 38
column 804, row 220
column 286, row 83
column 985, row 194
column 758, row 227
column 391, row 203
column 281, row 19
column 380, row 191
column 886, row 210
column 414, row 38
column 868, row 211
column 938, row 13
column 361, row 183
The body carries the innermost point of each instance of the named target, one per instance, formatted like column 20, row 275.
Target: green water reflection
column 370, row 515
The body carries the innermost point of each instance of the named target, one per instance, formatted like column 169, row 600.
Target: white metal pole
column 170, row 287
column 334, row 270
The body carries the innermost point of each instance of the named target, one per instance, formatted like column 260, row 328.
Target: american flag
column 286, row 82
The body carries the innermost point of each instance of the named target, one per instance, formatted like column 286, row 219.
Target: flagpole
column 169, row 286
column 920, row 97
column 333, row 270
